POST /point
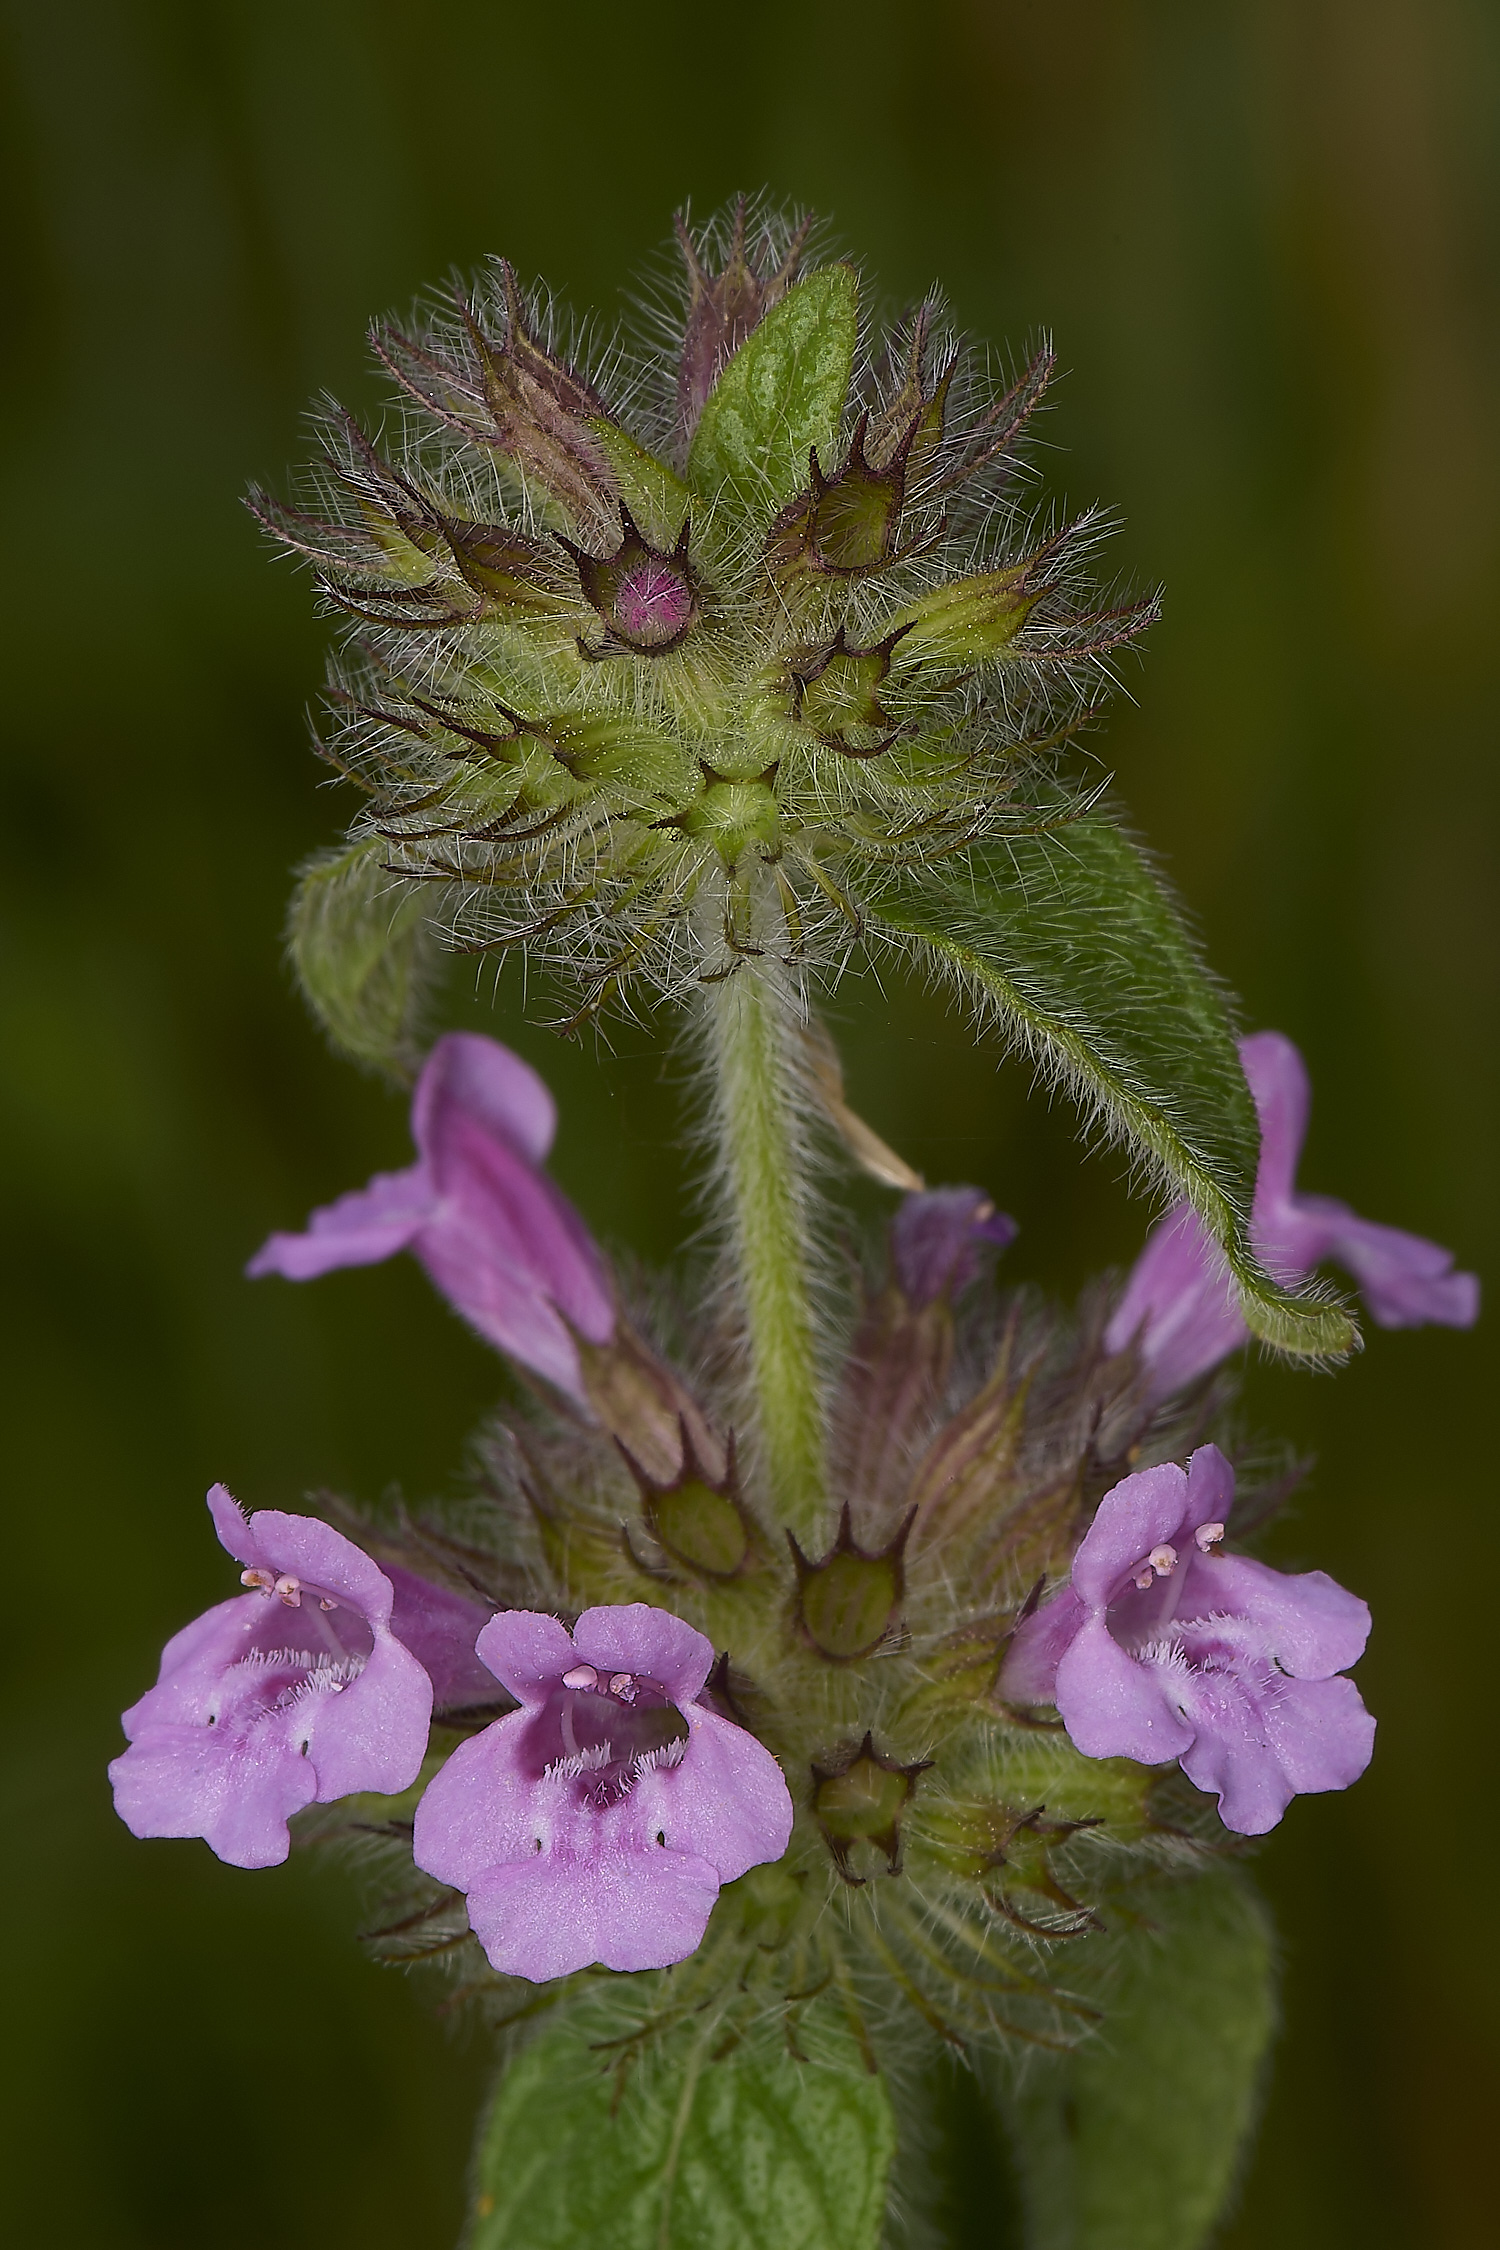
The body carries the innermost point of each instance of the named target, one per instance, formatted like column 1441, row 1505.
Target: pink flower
column 1179, row 1307
column 295, row 1693
column 598, row 1821
column 502, row 1243
column 1161, row 1646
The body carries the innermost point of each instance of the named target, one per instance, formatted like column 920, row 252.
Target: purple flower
column 598, row 1821
column 1179, row 1307
column 295, row 1693
column 1160, row 1646
column 502, row 1243
column 936, row 1236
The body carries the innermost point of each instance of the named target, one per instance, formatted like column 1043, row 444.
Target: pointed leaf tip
column 780, row 397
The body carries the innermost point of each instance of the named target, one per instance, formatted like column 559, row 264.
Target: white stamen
column 622, row 1684
column 580, row 1762
column 1145, row 1577
column 581, row 1676
column 260, row 1578
column 290, row 1590
column 662, row 1761
column 1208, row 1535
column 1163, row 1560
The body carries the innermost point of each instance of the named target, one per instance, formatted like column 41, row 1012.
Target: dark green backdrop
column 1265, row 236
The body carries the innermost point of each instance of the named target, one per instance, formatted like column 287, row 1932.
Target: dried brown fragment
column 646, row 1406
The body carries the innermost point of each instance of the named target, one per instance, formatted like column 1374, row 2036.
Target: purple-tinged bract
column 295, row 1693
column 1180, row 1308
column 597, row 1823
column 1161, row 1646
column 503, row 1244
column 936, row 1240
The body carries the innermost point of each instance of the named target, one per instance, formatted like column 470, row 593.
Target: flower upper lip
column 1179, row 1306
column 496, row 1235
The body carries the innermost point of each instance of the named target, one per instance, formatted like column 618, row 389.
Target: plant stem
column 762, row 1146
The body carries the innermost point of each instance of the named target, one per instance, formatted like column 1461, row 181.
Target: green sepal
column 690, row 2148
column 1134, row 2141
column 780, row 396
column 1068, row 937
column 364, row 954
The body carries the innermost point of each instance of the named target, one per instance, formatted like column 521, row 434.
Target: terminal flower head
column 597, row 1822
column 1161, row 1646
column 293, row 1693
column 1179, row 1307
column 503, row 1244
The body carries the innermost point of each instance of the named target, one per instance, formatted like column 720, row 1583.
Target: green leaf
column 1070, row 940
column 751, row 2151
column 364, row 955
column 1133, row 2142
column 782, row 394
column 657, row 499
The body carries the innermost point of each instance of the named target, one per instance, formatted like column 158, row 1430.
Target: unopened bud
column 836, row 693
column 969, row 620
column 848, row 1602
column 647, row 600
column 700, row 1520
column 860, row 1799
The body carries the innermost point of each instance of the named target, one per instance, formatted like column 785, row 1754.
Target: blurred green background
column 1265, row 237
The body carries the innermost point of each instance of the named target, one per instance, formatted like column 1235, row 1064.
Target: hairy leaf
column 656, row 498
column 750, row 2151
column 780, row 395
column 364, row 956
column 1069, row 940
column 1133, row 2141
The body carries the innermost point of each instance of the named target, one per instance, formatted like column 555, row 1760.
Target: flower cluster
column 599, row 1819
column 618, row 696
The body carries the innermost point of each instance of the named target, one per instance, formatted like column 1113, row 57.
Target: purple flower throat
column 290, row 1657
column 603, row 1730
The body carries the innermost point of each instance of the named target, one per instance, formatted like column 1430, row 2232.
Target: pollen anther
column 581, row 1676
column 1163, row 1560
column 1207, row 1535
column 290, row 1590
column 261, row 1579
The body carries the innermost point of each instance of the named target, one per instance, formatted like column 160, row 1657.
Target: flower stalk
column 762, row 1166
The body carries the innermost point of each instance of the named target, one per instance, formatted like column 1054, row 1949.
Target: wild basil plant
column 843, row 1702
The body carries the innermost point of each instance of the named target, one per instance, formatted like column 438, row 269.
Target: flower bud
column 848, row 1602
column 700, row 1519
column 647, row 600
column 861, row 1798
column 1006, row 1850
column 836, row 693
column 844, row 526
column 969, row 620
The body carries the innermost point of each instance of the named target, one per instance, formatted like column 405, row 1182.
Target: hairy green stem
column 753, row 1034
